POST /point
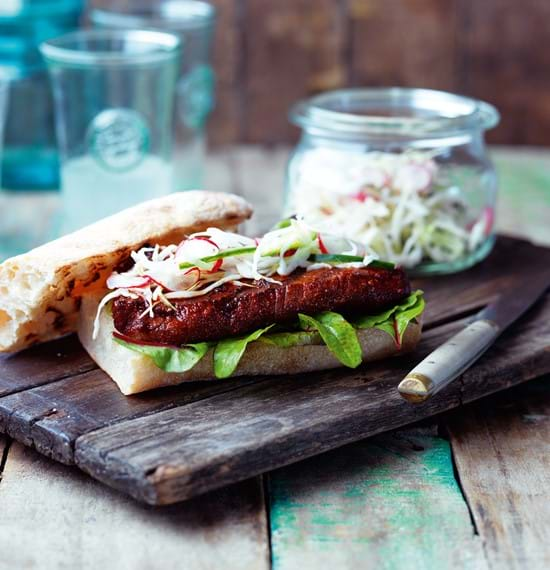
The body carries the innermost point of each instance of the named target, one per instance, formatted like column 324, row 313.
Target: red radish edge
column 397, row 339
column 204, row 238
column 359, row 196
column 125, row 338
column 217, row 265
column 198, row 273
column 322, row 246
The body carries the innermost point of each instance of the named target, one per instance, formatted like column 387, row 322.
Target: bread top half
column 41, row 291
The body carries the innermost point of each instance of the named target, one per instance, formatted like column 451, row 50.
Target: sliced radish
column 122, row 281
column 206, row 239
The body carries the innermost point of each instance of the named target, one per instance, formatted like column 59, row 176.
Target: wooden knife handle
column 448, row 361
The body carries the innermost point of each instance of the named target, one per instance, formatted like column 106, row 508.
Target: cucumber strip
column 221, row 255
column 334, row 258
column 342, row 258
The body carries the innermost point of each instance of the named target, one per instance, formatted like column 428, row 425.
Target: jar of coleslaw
column 404, row 171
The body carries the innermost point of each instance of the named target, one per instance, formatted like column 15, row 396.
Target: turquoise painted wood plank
column 390, row 502
column 524, row 200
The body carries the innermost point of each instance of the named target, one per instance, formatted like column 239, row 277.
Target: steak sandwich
column 168, row 292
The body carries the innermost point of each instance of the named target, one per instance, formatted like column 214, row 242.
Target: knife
column 456, row 355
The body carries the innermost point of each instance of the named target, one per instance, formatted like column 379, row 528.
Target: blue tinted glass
column 30, row 155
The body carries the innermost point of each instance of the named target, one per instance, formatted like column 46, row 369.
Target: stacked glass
column 193, row 22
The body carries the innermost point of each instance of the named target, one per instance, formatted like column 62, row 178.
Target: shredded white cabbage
column 162, row 274
column 398, row 205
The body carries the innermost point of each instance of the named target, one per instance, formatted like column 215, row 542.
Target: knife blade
column 455, row 356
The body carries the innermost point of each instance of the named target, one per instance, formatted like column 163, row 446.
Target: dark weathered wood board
column 171, row 444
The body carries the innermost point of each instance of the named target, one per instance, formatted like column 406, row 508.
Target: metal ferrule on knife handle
column 448, row 361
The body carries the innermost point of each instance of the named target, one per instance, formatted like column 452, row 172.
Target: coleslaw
column 399, row 206
column 207, row 260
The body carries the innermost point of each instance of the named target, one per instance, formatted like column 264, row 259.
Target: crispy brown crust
column 231, row 310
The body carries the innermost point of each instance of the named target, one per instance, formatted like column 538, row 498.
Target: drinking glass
column 193, row 21
column 113, row 95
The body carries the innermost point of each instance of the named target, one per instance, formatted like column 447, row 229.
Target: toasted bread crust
column 41, row 291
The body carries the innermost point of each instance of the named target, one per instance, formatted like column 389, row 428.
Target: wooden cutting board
column 168, row 445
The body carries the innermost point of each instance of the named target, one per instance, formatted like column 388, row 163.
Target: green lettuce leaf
column 395, row 321
column 339, row 336
column 331, row 328
column 288, row 339
column 406, row 314
column 229, row 352
column 170, row 359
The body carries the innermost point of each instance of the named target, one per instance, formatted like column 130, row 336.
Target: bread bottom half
column 134, row 372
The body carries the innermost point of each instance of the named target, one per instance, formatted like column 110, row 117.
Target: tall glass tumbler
column 113, row 94
column 194, row 22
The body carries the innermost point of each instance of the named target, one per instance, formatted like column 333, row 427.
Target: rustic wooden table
column 469, row 489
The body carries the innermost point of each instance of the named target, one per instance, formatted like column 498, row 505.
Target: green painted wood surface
column 524, row 200
column 389, row 502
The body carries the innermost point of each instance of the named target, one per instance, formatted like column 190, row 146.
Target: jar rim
column 396, row 111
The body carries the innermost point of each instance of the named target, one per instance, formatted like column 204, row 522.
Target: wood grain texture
column 403, row 43
column 54, row 517
column 471, row 290
column 502, row 452
column 508, row 70
column 43, row 364
column 225, row 124
column 389, row 502
column 293, row 48
column 50, row 418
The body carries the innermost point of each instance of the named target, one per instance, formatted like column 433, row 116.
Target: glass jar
column 405, row 171
column 193, row 21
